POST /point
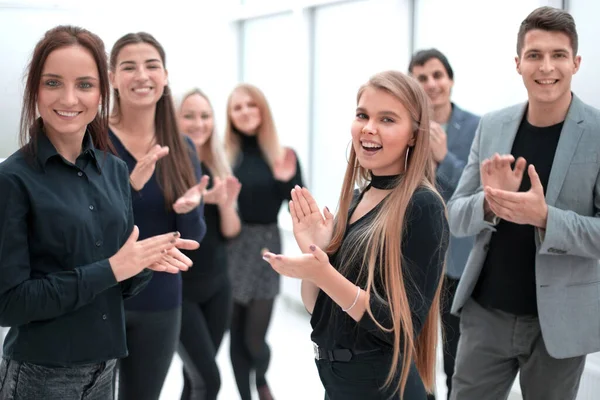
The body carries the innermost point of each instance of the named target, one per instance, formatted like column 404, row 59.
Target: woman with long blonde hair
column 267, row 173
column 374, row 289
column 207, row 301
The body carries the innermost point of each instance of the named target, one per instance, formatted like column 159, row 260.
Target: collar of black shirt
column 46, row 150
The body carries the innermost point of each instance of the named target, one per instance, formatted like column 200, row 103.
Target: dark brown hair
column 421, row 57
column 63, row 36
column 175, row 172
column 549, row 19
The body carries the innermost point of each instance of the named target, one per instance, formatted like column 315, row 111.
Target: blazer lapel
column 453, row 127
column 567, row 144
column 508, row 132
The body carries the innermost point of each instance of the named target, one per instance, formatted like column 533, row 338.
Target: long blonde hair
column 213, row 155
column 266, row 134
column 380, row 240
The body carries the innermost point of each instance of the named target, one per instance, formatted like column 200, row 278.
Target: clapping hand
column 309, row 225
column 192, row 198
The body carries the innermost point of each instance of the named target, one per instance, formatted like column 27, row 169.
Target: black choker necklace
column 385, row 182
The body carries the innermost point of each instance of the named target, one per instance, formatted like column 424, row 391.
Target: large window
column 272, row 62
column 480, row 42
column 352, row 42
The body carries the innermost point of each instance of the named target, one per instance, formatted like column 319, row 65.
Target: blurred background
column 309, row 57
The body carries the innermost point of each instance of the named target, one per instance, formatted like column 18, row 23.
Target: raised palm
column 285, row 167
column 309, row 225
column 497, row 173
column 191, row 198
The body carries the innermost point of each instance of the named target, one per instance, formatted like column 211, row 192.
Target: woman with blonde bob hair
column 267, row 172
column 374, row 292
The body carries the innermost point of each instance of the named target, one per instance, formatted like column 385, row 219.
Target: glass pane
column 352, row 42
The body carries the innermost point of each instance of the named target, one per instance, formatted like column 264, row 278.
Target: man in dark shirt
column 452, row 133
column 528, row 297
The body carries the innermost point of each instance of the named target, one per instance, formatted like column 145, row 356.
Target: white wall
column 586, row 83
column 480, row 43
column 199, row 40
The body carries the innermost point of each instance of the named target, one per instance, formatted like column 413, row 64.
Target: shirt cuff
column 97, row 277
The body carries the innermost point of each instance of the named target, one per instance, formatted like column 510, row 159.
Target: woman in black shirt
column 207, row 301
column 69, row 252
column 267, row 173
column 374, row 294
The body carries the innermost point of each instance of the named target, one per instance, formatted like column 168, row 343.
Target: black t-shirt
column 210, row 260
column 423, row 249
column 507, row 280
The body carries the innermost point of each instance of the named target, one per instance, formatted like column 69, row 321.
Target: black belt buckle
column 316, row 351
column 343, row 355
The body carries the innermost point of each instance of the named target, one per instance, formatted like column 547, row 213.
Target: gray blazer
column 460, row 131
column 567, row 267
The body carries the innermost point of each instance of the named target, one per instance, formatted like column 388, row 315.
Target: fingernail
column 312, row 247
column 296, row 187
column 176, row 234
column 266, row 258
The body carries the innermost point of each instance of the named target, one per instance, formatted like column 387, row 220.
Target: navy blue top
column 210, row 259
column 152, row 218
column 60, row 222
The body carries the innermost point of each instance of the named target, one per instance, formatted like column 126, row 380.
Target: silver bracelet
column 355, row 300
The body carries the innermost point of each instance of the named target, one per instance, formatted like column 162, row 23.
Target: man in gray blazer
column 452, row 132
column 529, row 297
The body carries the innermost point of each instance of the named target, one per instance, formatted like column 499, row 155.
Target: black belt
column 343, row 355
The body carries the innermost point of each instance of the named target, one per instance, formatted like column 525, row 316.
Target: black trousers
column 450, row 331
column 363, row 378
column 203, row 324
column 152, row 339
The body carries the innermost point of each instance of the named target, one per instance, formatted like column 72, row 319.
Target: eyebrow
column 553, row 51
column 147, row 61
column 81, row 78
column 362, row 110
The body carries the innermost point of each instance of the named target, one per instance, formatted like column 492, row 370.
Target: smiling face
column 196, row 119
column 547, row 65
column 139, row 75
column 244, row 113
column 69, row 91
column 433, row 77
column 381, row 132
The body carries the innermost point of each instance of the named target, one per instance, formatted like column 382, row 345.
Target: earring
column 406, row 159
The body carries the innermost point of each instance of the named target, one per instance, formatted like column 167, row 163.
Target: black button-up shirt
column 59, row 224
